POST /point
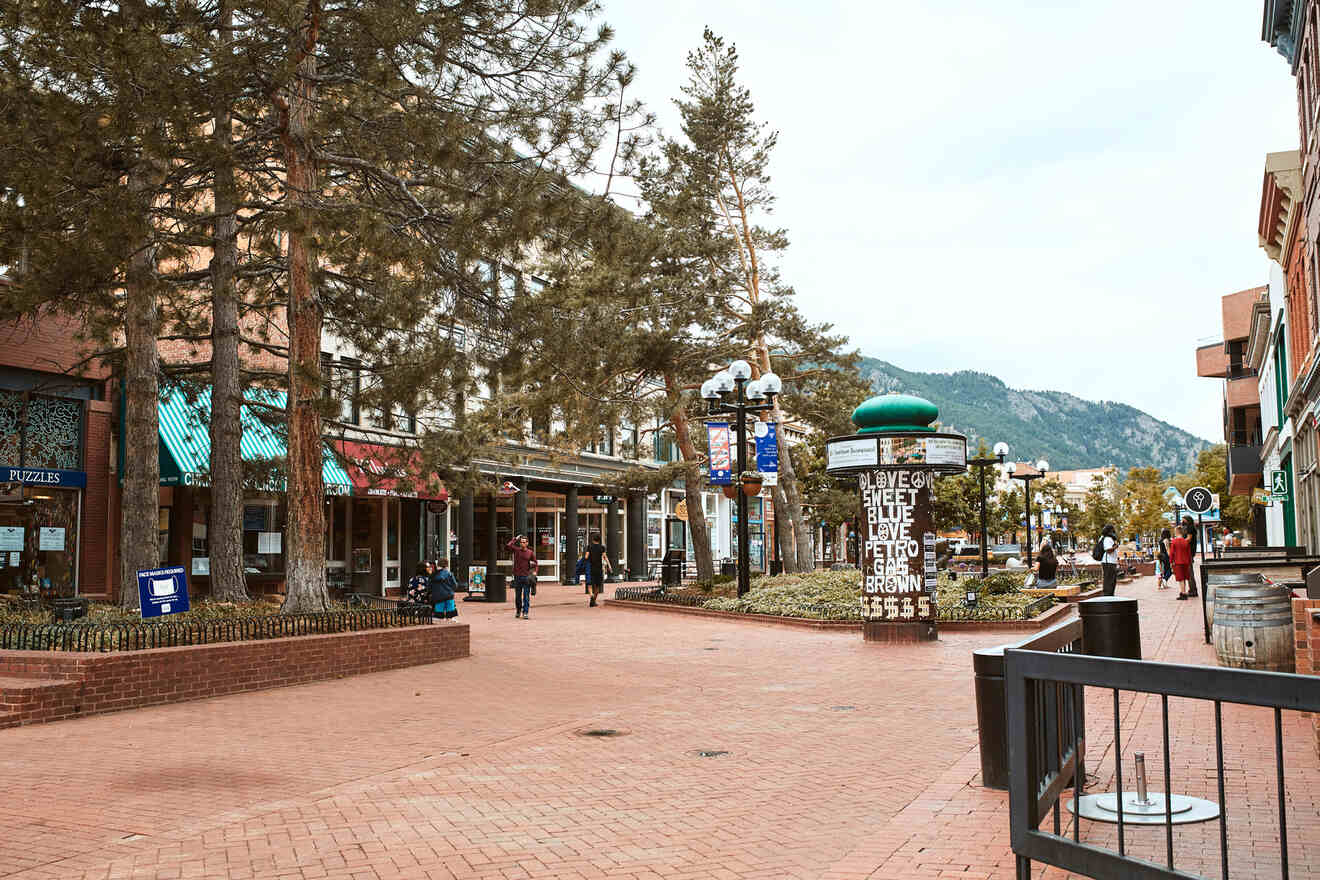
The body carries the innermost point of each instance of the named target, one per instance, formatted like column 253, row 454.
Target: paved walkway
column 841, row 760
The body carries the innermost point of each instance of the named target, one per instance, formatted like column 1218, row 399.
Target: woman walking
column 598, row 563
column 1165, row 571
column 1190, row 533
column 1181, row 554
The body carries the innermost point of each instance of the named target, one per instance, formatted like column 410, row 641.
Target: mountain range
column 1068, row 432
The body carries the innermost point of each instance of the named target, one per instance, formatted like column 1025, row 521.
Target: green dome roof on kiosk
column 895, row 412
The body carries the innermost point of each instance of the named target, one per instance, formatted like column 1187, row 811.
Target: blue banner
column 767, row 447
column 163, row 591
column 721, row 454
column 43, row 477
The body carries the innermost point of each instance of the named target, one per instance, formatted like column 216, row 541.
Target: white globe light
column 1001, row 449
column 771, row 383
column 1011, row 468
column 754, row 390
column 709, row 391
column 1042, row 465
column 740, row 370
column 723, row 382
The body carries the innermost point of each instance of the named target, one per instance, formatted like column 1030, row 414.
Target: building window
column 40, row 431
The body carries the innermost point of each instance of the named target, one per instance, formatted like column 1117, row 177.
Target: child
column 443, row 586
column 581, row 570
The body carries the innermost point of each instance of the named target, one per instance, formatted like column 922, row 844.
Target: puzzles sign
column 898, row 546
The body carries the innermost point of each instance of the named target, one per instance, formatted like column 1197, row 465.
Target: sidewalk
column 839, row 759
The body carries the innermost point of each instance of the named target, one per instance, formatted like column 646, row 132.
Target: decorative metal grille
column 11, row 424
column 51, row 437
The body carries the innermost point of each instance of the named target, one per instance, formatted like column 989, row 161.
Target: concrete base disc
column 1104, row 808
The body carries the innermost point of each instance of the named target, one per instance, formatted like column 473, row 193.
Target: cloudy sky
column 1053, row 192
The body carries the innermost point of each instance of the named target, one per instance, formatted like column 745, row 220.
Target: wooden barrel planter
column 1253, row 627
column 1226, row 580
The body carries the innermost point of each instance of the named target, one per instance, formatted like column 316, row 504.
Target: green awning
column 185, row 443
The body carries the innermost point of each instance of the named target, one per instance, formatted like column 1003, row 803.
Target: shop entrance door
column 676, row 535
column 545, row 538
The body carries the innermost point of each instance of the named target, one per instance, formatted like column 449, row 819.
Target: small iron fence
column 137, row 636
column 1034, row 682
column 835, row 611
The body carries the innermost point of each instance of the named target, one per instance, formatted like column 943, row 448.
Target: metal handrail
column 1033, row 790
column 83, row 636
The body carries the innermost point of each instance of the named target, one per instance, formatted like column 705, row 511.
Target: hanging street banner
column 767, row 452
column 721, row 454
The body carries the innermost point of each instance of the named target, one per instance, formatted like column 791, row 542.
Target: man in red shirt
column 524, row 575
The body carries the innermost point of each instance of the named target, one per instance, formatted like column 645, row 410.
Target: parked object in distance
column 1004, row 552
column 967, row 552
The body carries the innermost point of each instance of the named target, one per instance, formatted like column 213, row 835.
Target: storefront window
column 163, row 534
column 336, row 548
column 40, row 431
column 201, row 544
column 38, row 539
column 263, row 536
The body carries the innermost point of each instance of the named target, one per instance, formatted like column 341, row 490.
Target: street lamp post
column 1042, row 468
column 747, row 397
column 1001, row 450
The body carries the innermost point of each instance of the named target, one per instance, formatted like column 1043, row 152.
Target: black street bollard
column 988, row 664
column 1110, row 627
column 496, row 588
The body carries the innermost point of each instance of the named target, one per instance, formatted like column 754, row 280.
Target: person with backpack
column 1105, row 552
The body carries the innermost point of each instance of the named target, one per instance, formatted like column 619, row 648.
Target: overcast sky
column 1053, row 192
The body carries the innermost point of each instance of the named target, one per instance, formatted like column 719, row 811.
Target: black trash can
column 671, row 574
column 776, row 567
column 1110, row 627
column 496, row 587
column 728, row 569
column 991, row 722
column 67, row 609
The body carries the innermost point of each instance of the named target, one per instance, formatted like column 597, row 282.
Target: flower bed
column 834, row 595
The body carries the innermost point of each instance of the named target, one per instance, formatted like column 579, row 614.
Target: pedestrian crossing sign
column 1279, row 485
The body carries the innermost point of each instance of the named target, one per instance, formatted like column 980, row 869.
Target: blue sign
column 163, row 591
column 767, row 447
column 43, row 477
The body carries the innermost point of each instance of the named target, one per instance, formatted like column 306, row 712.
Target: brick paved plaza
column 839, row 764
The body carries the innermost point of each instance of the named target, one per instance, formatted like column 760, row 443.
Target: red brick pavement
column 472, row 768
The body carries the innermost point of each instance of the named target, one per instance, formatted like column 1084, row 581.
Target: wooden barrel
column 1254, row 628
column 1213, row 580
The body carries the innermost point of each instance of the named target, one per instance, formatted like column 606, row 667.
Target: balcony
column 1212, row 361
column 1244, row 471
column 1242, row 391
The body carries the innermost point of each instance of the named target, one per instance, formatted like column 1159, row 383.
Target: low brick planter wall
column 1306, row 633
column 39, row 686
column 1047, row 618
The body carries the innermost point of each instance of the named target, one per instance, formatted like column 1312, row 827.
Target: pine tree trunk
column 305, row 555
column 140, row 501
column 792, row 495
column 696, row 509
column 228, row 583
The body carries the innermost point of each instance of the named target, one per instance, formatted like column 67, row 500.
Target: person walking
column 1180, row 553
column 598, row 563
column 443, row 587
column 524, row 575
column 1190, row 533
column 1165, row 563
column 1109, row 560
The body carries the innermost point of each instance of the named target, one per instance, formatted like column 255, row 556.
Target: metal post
column 1143, row 797
column 985, row 550
column 1026, row 488
column 744, row 556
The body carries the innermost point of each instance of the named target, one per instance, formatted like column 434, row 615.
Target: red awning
column 377, row 469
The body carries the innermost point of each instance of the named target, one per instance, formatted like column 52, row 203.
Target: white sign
column 50, row 538
column 15, row 559
column 201, row 565
column 770, row 479
column 852, row 453
column 946, row 450
column 11, row 538
column 268, row 542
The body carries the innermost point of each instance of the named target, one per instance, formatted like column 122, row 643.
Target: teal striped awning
column 185, row 443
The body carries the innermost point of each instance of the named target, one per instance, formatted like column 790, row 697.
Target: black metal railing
column 137, row 636
column 1036, row 781
column 954, row 613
